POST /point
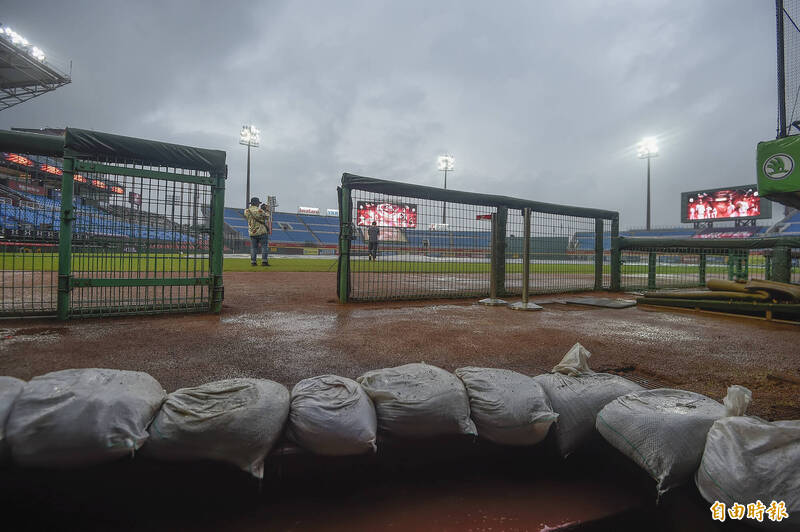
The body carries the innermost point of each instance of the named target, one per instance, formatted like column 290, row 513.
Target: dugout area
column 96, row 224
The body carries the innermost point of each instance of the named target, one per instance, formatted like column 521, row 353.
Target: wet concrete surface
column 289, row 326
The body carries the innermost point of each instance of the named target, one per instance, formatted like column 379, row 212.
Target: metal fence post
column 768, row 265
column 526, row 264
column 217, row 292
column 497, row 260
column 782, row 264
column 345, row 221
column 651, row 270
column 701, row 269
column 65, row 238
column 598, row 253
column 616, row 256
column 499, row 252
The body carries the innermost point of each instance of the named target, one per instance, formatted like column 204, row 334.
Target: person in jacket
column 258, row 223
column 373, row 241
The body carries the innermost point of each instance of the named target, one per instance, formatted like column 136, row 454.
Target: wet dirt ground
column 289, row 326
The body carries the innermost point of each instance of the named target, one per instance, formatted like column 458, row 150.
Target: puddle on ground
column 31, row 334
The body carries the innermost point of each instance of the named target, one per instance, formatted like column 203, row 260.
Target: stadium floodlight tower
column 446, row 164
column 647, row 149
column 25, row 72
column 250, row 136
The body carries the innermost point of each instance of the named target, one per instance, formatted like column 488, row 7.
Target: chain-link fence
column 436, row 243
column 125, row 226
column 788, row 43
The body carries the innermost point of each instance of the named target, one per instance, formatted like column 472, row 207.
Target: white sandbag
column 78, row 417
column 747, row 459
column 577, row 400
column 507, row 407
column 235, row 421
column 418, row 401
column 663, row 431
column 10, row 388
column 332, row 415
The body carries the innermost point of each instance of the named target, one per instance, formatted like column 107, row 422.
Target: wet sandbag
column 10, row 388
column 332, row 415
column 78, row 417
column 418, row 401
column 751, row 295
column 782, row 291
column 577, row 400
column 507, row 407
column 236, row 421
column 748, row 459
column 664, row 430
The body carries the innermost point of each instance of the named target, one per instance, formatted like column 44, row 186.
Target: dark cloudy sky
column 537, row 99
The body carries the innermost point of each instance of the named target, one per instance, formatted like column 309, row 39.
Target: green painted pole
column 768, row 265
column 499, row 253
column 217, row 293
column 65, row 238
column 598, row 253
column 651, row 270
column 345, row 220
column 782, row 264
column 526, row 254
column 702, row 269
column 616, row 256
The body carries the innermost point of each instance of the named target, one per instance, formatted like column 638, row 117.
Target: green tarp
column 394, row 188
column 93, row 144
column 778, row 172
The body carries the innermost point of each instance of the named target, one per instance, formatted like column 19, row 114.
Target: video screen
column 387, row 214
column 724, row 204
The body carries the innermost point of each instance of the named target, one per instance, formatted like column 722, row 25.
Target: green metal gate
column 138, row 227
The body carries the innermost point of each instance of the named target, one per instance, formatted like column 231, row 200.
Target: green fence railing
column 114, row 225
column 654, row 263
column 439, row 243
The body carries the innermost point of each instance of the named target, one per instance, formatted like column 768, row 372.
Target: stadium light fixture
column 647, row 149
column 21, row 42
column 445, row 163
column 249, row 136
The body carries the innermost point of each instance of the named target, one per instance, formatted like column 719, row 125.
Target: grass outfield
column 170, row 262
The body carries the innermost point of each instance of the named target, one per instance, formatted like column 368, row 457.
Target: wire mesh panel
column 562, row 255
column 145, row 246
column 29, row 224
column 425, row 248
column 788, row 66
column 436, row 243
column 648, row 266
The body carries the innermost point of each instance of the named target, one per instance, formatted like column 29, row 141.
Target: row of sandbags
column 84, row 416
column 79, row 417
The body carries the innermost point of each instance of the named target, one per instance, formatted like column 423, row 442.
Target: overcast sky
column 543, row 100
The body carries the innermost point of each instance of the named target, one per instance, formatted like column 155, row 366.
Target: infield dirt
column 289, row 326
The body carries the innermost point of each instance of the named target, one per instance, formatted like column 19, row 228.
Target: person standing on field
column 258, row 226
column 373, row 241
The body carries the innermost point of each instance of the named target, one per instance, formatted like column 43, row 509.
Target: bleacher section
column 41, row 213
column 790, row 225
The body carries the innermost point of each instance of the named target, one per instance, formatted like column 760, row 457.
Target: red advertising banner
column 30, row 189
column 387, row 214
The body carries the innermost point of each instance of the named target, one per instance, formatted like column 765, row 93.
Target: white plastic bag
column 575, row 362
column 235, row 421
column 332, row 415
column 418, row 401
column 10, row 388
column 577, row 400
column 78, row 417
column 507, row 407
column 747, row 459
column 664, row 430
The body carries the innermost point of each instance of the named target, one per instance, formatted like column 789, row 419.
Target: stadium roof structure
column 24, row 71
